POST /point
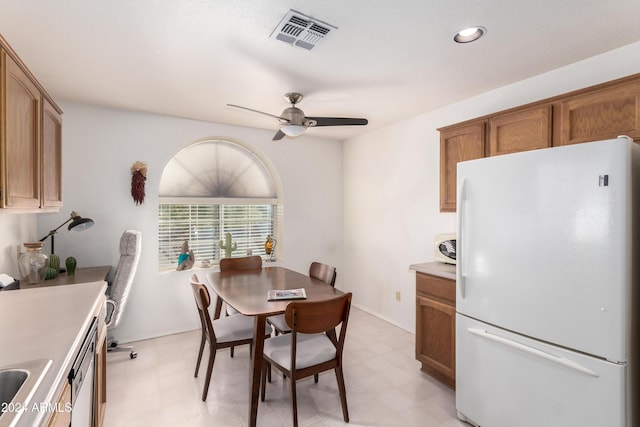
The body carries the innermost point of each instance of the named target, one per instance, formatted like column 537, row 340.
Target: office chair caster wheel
column 133, row 355
column 113, row 344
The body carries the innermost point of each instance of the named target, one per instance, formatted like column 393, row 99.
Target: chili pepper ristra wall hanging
column 138, row 178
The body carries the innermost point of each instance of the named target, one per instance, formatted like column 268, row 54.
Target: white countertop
column 440, row 269
column 47, row 323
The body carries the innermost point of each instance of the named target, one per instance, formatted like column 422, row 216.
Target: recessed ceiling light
column 470, row 34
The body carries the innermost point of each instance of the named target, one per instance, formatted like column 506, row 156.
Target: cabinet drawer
column 436, row 287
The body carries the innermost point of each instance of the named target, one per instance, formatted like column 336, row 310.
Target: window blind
column 204, row 225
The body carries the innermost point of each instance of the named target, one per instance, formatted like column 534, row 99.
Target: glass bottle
column 33, row 264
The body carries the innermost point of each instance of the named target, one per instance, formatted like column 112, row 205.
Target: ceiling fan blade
column 337, row 121
column 259, row 112
column 278, row 136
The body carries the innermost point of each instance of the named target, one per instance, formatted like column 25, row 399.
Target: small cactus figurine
column 54, row 267
column 227, row 245
column 70, row 263
column 51, row 273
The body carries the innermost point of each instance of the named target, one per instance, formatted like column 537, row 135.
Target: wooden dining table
column 247, row 290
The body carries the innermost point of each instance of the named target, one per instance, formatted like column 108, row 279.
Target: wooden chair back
column 314, row 317
column 323, row 272
column 243, row 263
column 203, row 301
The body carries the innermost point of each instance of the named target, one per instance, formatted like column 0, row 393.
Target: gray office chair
column 118, row 290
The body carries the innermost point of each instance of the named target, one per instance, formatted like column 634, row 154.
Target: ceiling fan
column 293, row 122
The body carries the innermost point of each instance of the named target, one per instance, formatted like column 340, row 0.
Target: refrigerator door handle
column 534, row 351
column 462, row 196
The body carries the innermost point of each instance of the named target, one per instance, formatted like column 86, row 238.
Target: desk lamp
column 77, row 224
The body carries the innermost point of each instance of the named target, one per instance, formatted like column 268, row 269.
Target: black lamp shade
column 80, row 224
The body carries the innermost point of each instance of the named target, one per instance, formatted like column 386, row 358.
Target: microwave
column 445, row 248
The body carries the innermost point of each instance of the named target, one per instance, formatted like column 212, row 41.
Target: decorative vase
column 70, row 263
column 33, row 264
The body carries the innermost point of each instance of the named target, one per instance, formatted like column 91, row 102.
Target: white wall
column 391, row 185
column 100, row 145
column 15, row 229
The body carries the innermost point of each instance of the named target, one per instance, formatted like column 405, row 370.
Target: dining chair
column 225, row 332
column 253, row 262
column 311, row 347
column 242, row 263
column 317, row 270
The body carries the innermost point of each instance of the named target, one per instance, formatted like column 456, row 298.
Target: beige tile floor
column 385, row 386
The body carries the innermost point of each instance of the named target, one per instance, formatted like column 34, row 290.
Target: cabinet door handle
column 534, row 351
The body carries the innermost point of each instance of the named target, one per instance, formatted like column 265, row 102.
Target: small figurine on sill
column 269, row 247
column 186, row 257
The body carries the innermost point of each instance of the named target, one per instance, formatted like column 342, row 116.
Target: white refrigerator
column 547, row 287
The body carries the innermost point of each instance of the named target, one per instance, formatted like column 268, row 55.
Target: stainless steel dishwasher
column 81, row 378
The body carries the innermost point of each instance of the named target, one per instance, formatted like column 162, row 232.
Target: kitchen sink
column 10, row 382
column 18, row 382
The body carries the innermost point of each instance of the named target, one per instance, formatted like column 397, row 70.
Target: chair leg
column 200, row 354
column 231, row 351
column 212, row 358
column 343, row 393
column 315, row 378
column 294, row 401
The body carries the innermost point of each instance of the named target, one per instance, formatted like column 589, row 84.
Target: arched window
column 209, row 189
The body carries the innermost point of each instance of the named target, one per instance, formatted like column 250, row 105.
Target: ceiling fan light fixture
column 470, row 34
column 292, row 130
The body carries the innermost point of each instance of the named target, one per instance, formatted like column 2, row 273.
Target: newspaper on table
column 284, row 294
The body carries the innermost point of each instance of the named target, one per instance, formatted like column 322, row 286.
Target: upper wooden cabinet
column 524, row 130
column 30, row 139
column 457, row 143
column 51, row 158
column 20, row 138
column 603, row 113
column 599, row 112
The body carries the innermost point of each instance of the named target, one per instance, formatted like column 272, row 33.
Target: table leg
column 256, row 368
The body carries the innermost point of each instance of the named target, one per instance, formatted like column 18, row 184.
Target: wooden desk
column 82, row 275
column 246, row 291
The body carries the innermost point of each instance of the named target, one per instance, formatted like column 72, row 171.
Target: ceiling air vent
column 301, row 30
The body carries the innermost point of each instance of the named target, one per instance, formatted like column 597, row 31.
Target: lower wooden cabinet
column 61, row 417
column 436, row 327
